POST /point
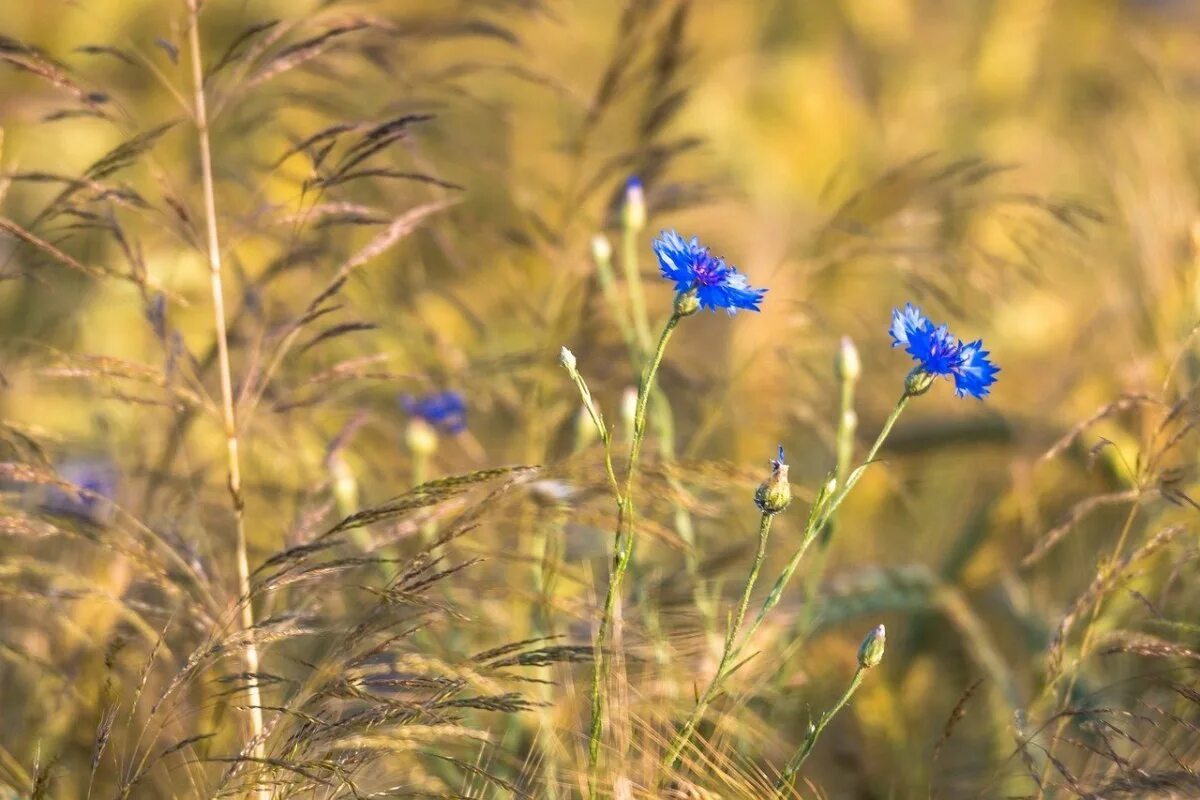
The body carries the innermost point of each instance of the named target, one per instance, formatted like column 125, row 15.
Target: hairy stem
column 228, row 413
column 822, row 511
column 797, row 761
column 623, row 553
column 820, row 514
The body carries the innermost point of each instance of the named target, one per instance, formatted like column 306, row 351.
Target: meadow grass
column 367, row 434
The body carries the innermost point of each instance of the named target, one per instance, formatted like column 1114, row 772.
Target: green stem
column 822, row 511
column 819, row 516
column 636, row 335
column 623, row 552
column 789, row 773
column 725, row 667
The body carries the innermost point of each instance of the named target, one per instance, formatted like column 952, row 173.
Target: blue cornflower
column 445, row 411
column 975, row 373
column 96, row 483
column 692, row 267
column 939, row 354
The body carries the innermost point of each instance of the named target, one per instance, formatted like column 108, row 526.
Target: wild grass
column 234, row 235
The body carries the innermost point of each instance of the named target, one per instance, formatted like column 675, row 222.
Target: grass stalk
column 1085, row 643
column 228, row 412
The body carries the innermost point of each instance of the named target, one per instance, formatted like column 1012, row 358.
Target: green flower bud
column 687, row 303
column 870, row 653
column 918, row 382
column 775, row 493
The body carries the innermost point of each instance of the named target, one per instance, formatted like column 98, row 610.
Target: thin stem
column 623, row 552
column 228, row 413
column 728, row 653
column 637, row 341
column 819, row 516
column 822, row 511
column 789, row 772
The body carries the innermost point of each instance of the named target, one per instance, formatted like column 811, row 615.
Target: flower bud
column 568, row 360
column 601, row 249
column 846, row 364
column 633, row 213
column 687, row 303
column 870, row 653
column 775, row 493
column 420, row 437
column 918, row 382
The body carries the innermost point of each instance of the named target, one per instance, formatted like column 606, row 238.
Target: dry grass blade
column 1078, row 512
column 956, row 716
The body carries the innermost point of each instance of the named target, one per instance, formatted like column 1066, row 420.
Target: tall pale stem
column 228, row 413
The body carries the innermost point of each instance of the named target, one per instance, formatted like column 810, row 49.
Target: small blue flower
column 691, row 266
column 939, row 354
column 95, row 481
column 445, row 411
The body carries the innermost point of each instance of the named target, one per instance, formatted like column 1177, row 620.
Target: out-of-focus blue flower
column 939, row 354
column 444, row 411
column 96, row 480
column 691, row 266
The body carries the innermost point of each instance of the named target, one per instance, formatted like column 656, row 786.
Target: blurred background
column 408, row 195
